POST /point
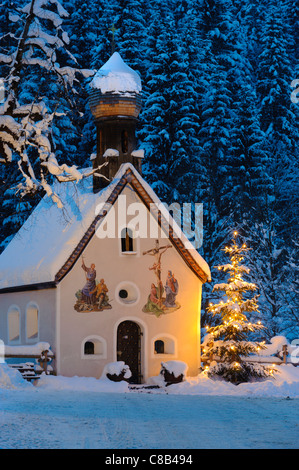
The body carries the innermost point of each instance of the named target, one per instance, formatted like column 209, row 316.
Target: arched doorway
column 129, row 348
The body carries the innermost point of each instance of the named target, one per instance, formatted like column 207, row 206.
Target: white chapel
column 110, row 277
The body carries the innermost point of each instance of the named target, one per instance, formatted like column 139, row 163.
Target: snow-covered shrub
column 239, row 372
column 116, row 371
column 173, row 371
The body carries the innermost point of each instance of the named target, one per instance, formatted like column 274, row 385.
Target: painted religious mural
column 93, row 297
column 162, row 296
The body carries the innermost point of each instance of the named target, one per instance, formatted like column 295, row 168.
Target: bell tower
column 115, row 102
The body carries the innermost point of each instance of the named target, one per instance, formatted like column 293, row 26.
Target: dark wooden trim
column 29, row 287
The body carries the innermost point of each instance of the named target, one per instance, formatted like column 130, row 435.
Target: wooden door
column 129, row 348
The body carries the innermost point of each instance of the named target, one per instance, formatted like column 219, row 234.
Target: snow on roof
column 116, row 77
column 50, row 235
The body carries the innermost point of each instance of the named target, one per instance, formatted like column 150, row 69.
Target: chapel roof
column 51, row 240
column 115, row 76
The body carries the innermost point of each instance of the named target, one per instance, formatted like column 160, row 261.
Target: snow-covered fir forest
column 219, row 122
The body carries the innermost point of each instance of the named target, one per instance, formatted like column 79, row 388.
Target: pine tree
column 154, row 133
column 268, row 261
column 278, row 115
column 14, row 209
column 291, row 316
column 250, row 157
column 130, row 33
column 170, row 116
column 230, row 338
column 88, row 28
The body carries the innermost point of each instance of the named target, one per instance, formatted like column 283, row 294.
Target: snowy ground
column 78, row 413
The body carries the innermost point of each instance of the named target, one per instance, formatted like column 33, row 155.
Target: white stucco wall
column 45, row 301
column 181, row 327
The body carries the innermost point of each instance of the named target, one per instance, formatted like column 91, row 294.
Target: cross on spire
column 113, row 29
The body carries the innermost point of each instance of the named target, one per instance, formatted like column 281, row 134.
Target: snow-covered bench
column 30, row 371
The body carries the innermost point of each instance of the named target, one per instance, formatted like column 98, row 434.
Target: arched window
column 124, row 142
column 94, row 347
column 13, row 322
column 89, row 347
column 159, row 346
column 127, row 240
column 32, row 322
column 164, row 344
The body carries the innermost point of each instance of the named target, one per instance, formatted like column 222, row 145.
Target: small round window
column 123, row 293
column 127, row 293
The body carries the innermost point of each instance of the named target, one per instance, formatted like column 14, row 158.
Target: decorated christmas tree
column 228, row 343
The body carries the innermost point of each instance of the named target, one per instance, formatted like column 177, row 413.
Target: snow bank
column 116, row 77
column 85, row 384
column 284, row 384
column 90, row 384
column 32, row 350
column 11, row 378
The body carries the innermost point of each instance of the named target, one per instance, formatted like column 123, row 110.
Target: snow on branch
column 41, row 12
column 62, row 173
column 26, row 128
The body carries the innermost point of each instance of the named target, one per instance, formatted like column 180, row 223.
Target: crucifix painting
column 162, row 298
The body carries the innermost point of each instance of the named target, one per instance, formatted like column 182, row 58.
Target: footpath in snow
column 81, row 413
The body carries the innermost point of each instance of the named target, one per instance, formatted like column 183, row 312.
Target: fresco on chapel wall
column 162, row 295
column 93, row 296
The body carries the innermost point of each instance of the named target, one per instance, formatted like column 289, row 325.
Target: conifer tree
column 131, row 28
column 154, row 133
column 230, row 338
column 268, row 260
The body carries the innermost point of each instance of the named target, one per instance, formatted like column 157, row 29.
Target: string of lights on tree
column 228, row 341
